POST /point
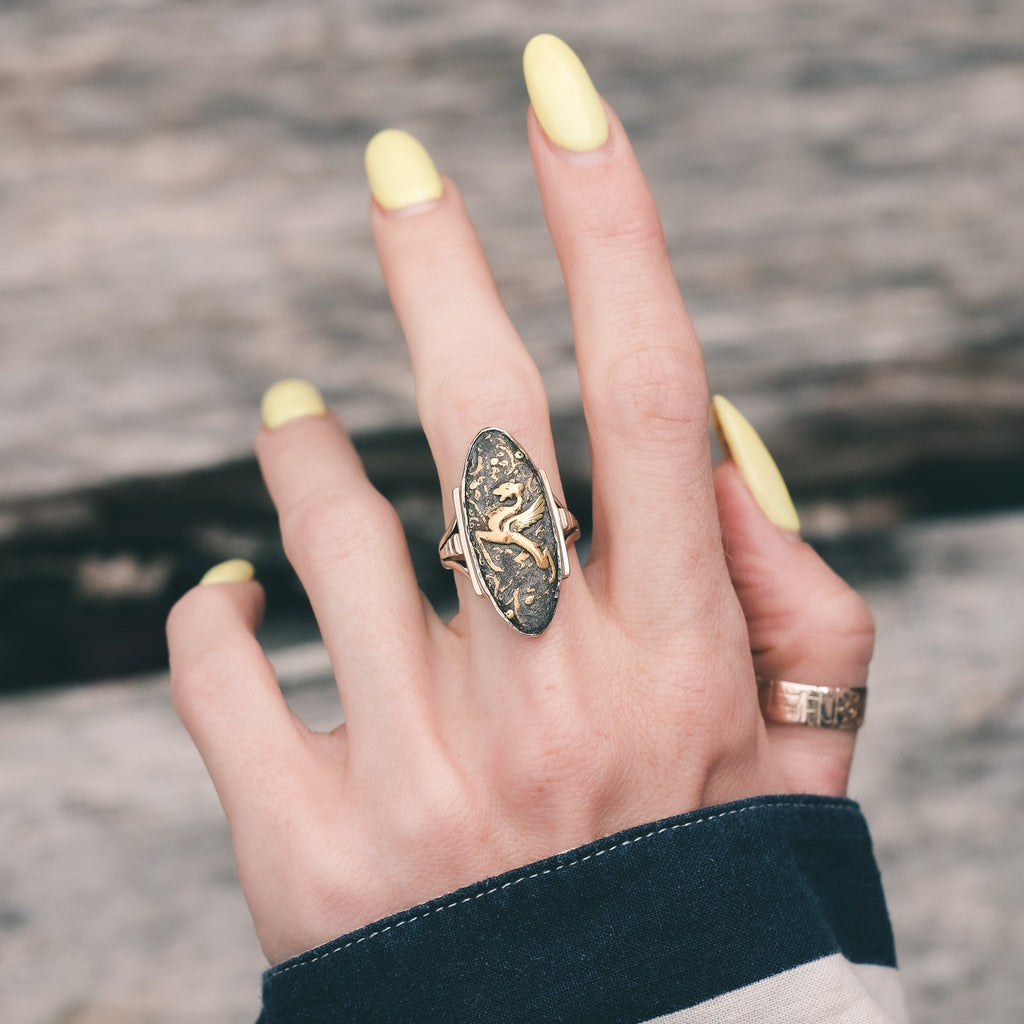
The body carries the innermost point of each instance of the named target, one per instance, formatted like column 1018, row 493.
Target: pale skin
column 467, row 748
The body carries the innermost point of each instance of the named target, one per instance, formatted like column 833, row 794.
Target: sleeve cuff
column 652, row 920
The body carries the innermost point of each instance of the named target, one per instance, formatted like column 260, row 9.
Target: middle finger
column 641, row 369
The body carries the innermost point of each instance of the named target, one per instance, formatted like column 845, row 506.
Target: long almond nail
column 400, row 171
column 563, row 96
column 235, row 570
column 741, row 444
column 288, row 399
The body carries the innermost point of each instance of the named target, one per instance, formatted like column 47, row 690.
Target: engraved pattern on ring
column 512, row 535
column 824, row 707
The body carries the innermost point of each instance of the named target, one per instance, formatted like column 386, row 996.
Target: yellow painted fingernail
column 742, row 444
column 288, row 399
column 234, row 570
column 400, row 170
column 563, row 96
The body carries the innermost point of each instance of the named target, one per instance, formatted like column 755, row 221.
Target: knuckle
column 567, row 764
column 629, row 226
column 654, row 391
column 831, row 627
column 861, row 618
column 199, row 680
column 842, row 619
column 447, row 257
column 445, row 811
column 334, row 528
column 435, row 808
column 859, row 629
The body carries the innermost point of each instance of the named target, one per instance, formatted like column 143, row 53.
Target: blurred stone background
column 183, row 221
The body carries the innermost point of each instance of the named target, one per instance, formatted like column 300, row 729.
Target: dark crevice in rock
column 87, row 578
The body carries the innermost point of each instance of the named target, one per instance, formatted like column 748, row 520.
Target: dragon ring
column 509, row 535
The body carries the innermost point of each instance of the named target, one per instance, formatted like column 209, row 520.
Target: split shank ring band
column 509, row 534
column 825, row 707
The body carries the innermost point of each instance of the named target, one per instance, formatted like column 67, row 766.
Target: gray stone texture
column 183, row 210
column 183, row 221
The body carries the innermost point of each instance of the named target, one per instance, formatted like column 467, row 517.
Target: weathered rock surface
column 183, row 214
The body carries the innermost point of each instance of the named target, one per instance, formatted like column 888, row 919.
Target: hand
column 468, row 748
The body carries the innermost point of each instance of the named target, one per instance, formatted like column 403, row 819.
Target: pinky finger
column 806, row 625
column 225, row 690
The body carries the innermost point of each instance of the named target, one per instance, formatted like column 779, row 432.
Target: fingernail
column 400, row 170
column 235, row 570
column 288, row 399
column 741, row 443
column 563, row 96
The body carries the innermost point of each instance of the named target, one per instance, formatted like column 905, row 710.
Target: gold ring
column 825, row 707
column 509, row 534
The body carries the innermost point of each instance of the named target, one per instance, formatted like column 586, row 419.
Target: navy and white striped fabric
column 768, row 909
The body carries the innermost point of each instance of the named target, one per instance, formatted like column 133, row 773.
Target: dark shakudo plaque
column 511, row 531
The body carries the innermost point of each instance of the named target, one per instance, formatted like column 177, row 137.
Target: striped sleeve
column 768, row 909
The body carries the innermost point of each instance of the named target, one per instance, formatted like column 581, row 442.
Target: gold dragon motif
column 506, row 523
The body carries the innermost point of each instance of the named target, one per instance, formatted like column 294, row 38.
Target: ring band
column 825, row 707
column 509, row 534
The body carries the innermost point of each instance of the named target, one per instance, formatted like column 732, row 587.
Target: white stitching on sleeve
column 305, row 962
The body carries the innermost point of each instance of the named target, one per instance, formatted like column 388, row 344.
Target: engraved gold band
column 825, row 707
column 510, row 535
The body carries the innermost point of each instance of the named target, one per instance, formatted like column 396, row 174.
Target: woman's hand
column 467, row 747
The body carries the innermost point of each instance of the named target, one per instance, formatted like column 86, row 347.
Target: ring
column 826, row 707
column 516, row 531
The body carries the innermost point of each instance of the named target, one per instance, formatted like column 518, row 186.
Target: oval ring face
column 511, row 531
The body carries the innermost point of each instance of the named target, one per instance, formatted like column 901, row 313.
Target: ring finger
column 348, row 549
